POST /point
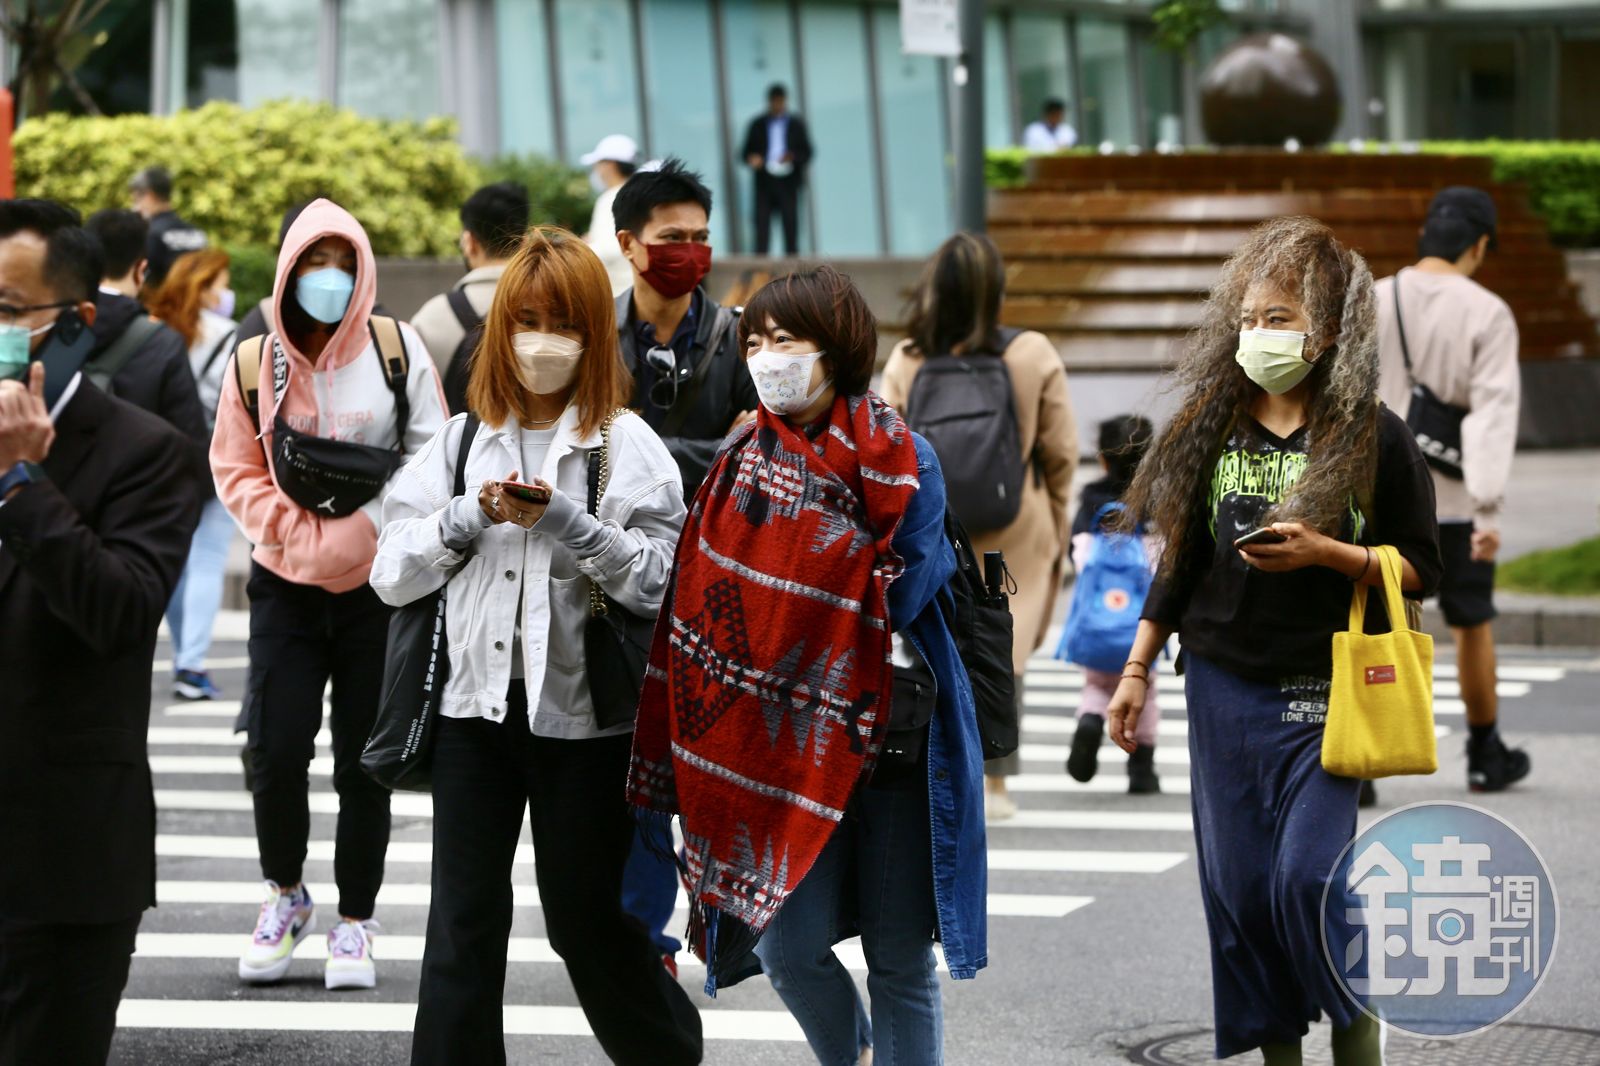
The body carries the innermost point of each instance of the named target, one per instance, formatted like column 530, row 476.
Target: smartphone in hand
column 1264, row 535
column 527, row 493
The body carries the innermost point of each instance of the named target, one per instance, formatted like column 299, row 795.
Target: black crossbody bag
column 616, row 642
column 1436, row 424
column 416, row 665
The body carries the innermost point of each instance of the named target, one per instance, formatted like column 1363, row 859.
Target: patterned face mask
column 782, row 380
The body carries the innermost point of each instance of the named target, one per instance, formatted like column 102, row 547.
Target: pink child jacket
column 342, row 396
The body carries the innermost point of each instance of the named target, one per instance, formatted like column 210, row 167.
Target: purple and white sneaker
column 285, row 920
column 350, row 962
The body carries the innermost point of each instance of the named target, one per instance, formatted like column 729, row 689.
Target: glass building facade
column 685, row 77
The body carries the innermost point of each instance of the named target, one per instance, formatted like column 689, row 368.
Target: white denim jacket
column 628, row 552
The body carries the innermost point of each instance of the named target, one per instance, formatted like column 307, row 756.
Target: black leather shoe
column 1492, row 767
column 1084, row 758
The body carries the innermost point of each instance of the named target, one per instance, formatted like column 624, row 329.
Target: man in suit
column 777, row 148
column 98, row 500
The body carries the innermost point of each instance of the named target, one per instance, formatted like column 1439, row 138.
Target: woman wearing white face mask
column 1280, row 429
column 810, row 719
column 518, row 553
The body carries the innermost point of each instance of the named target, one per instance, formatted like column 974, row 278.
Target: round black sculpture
column 1267, row 88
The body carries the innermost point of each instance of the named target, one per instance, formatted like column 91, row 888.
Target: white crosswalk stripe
column 352, row 1017
column 1067, row 845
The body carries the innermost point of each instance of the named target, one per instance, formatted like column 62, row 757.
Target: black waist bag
column 334, row 478
column 1435, row 424
column 978, row 612
column 330, row 477
column 416, row 665
column 911, row 706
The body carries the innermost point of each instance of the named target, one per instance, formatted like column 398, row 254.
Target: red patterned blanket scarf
column 766, row 699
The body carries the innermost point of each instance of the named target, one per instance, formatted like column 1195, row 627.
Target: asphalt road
column 1097, row 941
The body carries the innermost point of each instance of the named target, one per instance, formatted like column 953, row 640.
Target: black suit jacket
column 798, row 141
column 89, row 557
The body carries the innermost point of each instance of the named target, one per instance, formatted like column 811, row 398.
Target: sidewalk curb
column 1534, row 621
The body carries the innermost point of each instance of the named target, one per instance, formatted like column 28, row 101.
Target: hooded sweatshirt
column 342, row 395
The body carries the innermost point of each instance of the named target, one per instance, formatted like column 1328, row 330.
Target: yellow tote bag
column 1380, row 706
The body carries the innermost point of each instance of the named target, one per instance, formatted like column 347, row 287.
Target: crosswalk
column 1069, row 846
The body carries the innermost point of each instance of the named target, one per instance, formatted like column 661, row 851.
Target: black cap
column 1465, row 213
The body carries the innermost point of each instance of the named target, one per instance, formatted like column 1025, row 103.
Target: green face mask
column 1273, row 358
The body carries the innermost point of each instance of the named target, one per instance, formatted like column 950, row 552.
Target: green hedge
column 1562, row 177
column 237, row 170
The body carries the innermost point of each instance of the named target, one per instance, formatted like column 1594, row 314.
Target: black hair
column 627, row 170
column 1123, row 442
column 1447, row 237
column 122, row 235
column 1054, row 103
column 72, row 260
column 157, row 181
column 777, row 89
column 497, row 215
column 673, row 183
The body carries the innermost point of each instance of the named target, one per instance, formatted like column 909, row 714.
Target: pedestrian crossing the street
column 1069, row 847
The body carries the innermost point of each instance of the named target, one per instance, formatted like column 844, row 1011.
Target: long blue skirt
column 1269, row 825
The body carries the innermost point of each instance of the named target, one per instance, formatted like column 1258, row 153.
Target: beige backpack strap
column 247, row 370
column 391, row 346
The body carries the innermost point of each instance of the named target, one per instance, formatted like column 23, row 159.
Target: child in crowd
column 1123, row 441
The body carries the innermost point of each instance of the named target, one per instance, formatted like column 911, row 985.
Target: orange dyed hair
column 178, row 301
column 555, row 274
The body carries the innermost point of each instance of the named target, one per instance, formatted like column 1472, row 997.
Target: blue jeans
column 884, row 854
column 650, row 885
column 193, row 608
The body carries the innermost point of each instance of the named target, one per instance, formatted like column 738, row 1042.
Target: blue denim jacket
column 955, row 760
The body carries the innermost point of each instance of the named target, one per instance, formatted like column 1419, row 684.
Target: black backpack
column 965, row 408
column 979, row 616
column 459, row 372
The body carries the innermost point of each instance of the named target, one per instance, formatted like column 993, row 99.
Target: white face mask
column 546, row 362
column 783, row 382
column 1273, row 358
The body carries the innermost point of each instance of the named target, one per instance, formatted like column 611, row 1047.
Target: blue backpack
column 1107, row 599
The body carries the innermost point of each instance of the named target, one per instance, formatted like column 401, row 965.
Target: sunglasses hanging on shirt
column 664, row 390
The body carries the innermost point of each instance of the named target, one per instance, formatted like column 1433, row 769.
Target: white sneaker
column 350, row 962
column 284, row 922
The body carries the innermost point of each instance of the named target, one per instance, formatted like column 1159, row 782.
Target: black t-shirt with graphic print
column 1266, row 626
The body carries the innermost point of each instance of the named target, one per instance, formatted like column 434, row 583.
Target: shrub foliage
column 236, row 170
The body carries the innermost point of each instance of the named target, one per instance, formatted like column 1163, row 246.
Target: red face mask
column 676, row 269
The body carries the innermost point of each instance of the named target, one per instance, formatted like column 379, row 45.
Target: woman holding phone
column 517, row 735
column 1279, row 430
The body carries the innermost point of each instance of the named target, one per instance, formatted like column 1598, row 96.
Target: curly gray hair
column 1302, row 257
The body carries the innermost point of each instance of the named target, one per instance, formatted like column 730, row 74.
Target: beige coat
column 1035, row 545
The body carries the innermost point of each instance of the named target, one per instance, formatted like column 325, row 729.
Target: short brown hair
column 555, row 272
column 823, row 306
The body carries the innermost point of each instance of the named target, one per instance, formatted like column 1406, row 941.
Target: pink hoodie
column 342, row 396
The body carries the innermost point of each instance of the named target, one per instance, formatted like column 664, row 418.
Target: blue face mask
column 325, row 293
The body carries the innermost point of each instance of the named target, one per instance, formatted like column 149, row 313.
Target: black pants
column 59, row 990
column 485, row 774
column 301, row 637
column 782, row 195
